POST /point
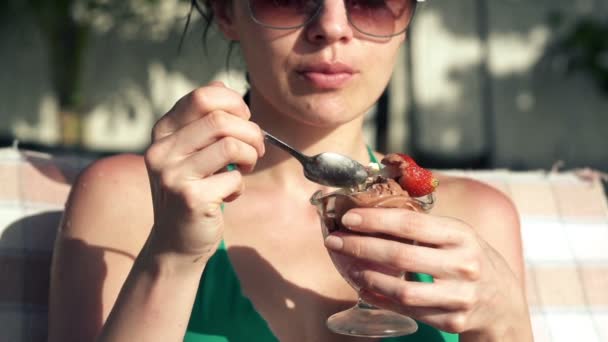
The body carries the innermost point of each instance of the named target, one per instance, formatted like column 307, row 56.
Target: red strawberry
column 417, row 181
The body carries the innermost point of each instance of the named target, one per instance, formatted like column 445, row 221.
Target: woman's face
column 323, row 74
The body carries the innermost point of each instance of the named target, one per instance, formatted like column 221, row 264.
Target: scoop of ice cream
column 379, row 193
column 400, row 184
column 382, row 192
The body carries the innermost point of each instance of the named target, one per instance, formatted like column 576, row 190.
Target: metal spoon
column 328, row 168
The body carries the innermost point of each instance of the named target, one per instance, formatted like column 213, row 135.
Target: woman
column 139, row 231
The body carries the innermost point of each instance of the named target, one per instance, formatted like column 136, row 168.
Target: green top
column 221, row 312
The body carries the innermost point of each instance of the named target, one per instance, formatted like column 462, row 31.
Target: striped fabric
column 564, row 227
column 33, row 190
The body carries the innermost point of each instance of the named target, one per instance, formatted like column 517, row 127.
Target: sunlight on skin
column 289, row 303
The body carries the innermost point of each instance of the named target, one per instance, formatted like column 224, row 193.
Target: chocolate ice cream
column 379, row 193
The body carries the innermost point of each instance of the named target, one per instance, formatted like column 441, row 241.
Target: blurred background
column 480, row 84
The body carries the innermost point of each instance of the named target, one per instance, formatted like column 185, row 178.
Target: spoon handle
column 276, row 142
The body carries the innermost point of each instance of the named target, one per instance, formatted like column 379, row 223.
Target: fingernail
column 334, row 242
column 351, row 219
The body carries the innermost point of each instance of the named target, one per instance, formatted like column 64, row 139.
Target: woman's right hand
column 191, row 147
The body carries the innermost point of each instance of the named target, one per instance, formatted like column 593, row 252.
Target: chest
column 285, row 271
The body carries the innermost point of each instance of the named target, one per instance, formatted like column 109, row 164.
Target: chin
column 324, row 116
column 336, row 106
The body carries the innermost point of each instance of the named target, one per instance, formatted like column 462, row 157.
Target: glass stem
column 361, row 304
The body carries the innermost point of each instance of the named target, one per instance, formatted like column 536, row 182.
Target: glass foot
column 371, row 322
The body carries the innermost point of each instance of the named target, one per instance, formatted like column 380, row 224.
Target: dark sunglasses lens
column 380, row 17
column 283, row 13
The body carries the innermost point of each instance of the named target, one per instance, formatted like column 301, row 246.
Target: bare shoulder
column 106, row 222
column 110, row 196
column 488, row 211
column 472, row 200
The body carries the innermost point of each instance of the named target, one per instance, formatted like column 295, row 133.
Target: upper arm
column 495, row 219
column 106, row 222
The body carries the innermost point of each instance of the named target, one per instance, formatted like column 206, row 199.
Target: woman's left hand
column 474, row 290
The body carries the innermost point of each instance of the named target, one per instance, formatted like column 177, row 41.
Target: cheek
column 382, row 63
column 265, row 60
column 376, row 75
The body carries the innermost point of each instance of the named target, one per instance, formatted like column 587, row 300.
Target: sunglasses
column 376, row 18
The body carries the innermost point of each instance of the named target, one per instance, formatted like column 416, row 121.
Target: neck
column 279, row 168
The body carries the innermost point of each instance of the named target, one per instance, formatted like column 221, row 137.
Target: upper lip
column 328, row 68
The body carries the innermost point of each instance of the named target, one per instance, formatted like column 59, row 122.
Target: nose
column 331, row 24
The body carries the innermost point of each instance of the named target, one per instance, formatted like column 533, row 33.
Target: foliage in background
column 583, row 48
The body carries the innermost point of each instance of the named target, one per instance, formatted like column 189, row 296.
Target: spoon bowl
column 334, row 169
column 328, row 168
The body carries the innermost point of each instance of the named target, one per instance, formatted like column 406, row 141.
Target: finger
column 406, row 224
column 204, row 197
column 445, row 320
column 211, row 128
column 414, row 294
column 198, row 103
column 215, row 157
column 394, row 254
column 225, row 186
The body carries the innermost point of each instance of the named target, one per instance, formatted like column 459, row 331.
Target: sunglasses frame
column 316, row 13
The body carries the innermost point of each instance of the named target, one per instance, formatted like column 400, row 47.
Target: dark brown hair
column 204, row 9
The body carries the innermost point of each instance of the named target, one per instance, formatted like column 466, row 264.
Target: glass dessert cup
column 364, row 319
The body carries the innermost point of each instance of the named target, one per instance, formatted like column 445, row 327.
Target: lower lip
column 327, row 80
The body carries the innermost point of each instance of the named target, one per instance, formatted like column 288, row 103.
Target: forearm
column 156, row 300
